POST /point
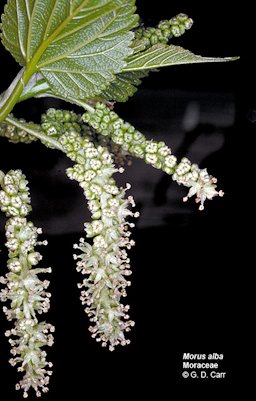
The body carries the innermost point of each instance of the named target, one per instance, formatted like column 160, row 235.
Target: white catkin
column 105, row 262
column 25, row 293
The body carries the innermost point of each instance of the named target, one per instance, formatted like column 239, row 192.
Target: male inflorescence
column 24, row 291
column 94, row 141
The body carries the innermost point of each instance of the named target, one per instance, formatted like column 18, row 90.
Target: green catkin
column 15, row 135
column 56, row 122
column 158, row 154
column 164, row 31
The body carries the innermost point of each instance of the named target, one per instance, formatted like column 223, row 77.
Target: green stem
column 34, row 132
column 11, row 101
column 14, row 91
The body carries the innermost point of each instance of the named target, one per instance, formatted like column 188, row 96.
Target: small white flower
column 170, row 161
column 99, row 242
column 151, row 147
column 200, row 183
column 150, row 158
column 89, row 175
column 164, row 151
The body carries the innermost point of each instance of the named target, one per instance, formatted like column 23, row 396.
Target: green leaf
column 163, row 55
column 77, row 45
column 141, row 62
column 124, row 86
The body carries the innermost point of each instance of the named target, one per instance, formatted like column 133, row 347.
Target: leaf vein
column 50, row 19
column 63, row 55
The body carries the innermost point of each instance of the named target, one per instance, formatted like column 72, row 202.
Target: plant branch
column 14, row 91
column 11, row 95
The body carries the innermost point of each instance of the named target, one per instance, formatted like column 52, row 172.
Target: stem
column 16, row 90
column 13, row 94
column 11, row 101
column 38, row 134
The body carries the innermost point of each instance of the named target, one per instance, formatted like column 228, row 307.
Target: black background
column 190, row 290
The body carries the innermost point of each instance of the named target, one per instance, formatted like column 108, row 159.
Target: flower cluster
column 108, row 123
column 14, row 134
column 199, row 181
column 56, row 122
column 105, row 261
column 164, row 31
column 120, row 156
column 23, row 289
column 158, row 154
column 14, row 198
